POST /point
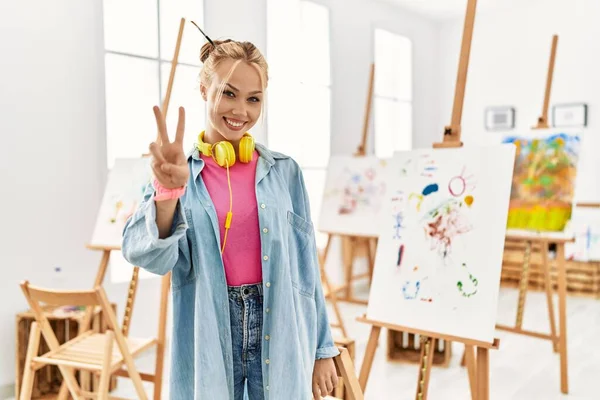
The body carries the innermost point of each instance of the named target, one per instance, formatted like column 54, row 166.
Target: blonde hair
column 212, row 56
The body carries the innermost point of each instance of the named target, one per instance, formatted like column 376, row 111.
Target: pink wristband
column 163, row 193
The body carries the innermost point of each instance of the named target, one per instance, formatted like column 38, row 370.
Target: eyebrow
column 237, row 90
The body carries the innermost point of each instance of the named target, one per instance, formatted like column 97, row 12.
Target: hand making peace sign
column 169, row 163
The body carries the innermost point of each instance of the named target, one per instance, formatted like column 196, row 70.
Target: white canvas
column 442, row 230
column 353, row 195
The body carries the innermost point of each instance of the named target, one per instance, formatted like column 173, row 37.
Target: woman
column 231, row 221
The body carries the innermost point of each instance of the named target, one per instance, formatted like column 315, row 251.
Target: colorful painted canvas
column 441, row 241
column 544, row 180
column 353, row 195
column 124, row 190
column 585, row 226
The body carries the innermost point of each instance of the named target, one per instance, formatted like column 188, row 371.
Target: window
column 299, row 105
column 140, row 39
column 392, row 93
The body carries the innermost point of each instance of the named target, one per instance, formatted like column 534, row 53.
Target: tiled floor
column 523, row 369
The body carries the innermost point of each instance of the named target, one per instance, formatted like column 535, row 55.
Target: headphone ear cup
column 246, row 148
column 224, row 154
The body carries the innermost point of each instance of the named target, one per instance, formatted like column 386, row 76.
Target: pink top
column 242, row 251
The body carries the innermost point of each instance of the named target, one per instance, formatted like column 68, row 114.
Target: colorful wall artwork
column 353, row 195
column 442, row 228
column 544, row 180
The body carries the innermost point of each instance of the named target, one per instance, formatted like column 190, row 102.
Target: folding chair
column 345, row 370
column 89, row 351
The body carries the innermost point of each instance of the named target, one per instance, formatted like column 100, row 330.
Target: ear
column 203, row 92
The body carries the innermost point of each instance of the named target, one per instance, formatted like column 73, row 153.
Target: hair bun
column 208, row 48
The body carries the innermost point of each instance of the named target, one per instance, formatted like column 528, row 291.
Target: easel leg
column 483, row 374
column 365, row 369
column 425, row 364
column 349, row 253
column 562, row 315
column 330, row 291
column 549, row 290
column 470, row 362
column 370, row 259
column 524, row 283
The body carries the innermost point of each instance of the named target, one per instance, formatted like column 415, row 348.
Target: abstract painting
column 353, row 195
column 124, row 190
column 544, row 180
column 441, row 241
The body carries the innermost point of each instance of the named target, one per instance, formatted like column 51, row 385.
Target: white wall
column 509, row 64
column 53, row 160
column 353, row 23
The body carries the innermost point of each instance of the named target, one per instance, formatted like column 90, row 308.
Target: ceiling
column 442, row 9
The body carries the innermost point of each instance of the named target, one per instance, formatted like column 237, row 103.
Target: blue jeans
column 246, row 311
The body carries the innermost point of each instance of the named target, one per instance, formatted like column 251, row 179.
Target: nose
column 239, row 108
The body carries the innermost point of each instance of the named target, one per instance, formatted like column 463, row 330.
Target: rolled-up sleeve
column 141, row 245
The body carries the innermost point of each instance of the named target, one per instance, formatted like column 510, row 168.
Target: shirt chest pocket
column 301, row 251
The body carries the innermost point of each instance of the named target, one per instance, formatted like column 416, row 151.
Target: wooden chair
column 89, row 351
column 345, row 370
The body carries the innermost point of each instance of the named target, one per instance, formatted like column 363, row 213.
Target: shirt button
column 268, row 284
column 267, row 337
column 263, row 206
column 267, row 361
column 265, row 230
column 265, row 258
column 267, row 387
column 268, row 310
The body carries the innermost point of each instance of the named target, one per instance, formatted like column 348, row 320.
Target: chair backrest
column 61, row 298
column 89, row 298
column 345, row 370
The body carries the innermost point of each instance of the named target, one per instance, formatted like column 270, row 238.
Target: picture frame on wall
column 499, row 118
column 570, row 115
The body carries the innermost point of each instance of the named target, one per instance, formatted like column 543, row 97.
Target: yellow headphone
column 223, row 152
column 224, row 155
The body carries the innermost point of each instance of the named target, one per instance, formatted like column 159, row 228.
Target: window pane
column 305, row 136
column 192, row 40
column 393, row 127
column 314, row 180
column 186, row 94
column 393, row 65
column 131, row 27
column 314, row 36
column 131, row 92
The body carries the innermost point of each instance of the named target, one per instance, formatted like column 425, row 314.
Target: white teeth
column 236, row 124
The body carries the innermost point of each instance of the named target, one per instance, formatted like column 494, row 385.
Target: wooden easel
column 543, row 119
column 478, row 367
column 351, row 243
column 558, row 339
column 133, row 284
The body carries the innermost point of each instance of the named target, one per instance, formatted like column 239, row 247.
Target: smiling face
column 234, row 100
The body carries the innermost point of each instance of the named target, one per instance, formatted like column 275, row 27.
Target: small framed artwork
column 570, row 115
column 499, row 118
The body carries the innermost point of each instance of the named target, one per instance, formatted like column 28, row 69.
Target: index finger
column 180, row 126
column 162, row 126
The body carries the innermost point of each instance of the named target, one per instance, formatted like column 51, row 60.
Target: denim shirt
column 294, row 310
